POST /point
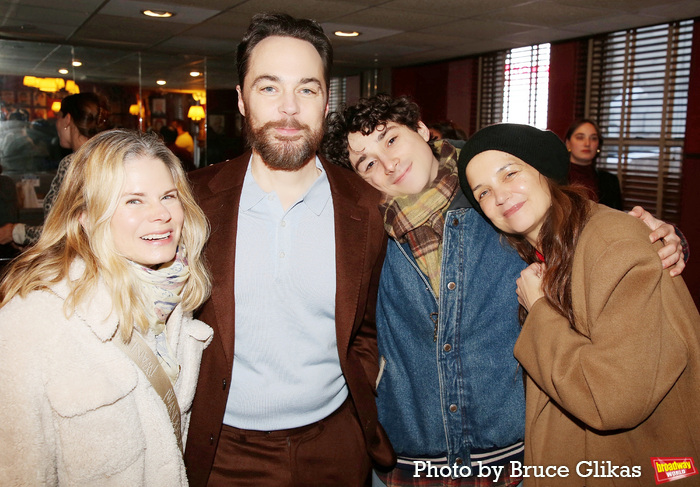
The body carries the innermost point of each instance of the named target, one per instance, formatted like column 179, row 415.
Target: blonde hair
column 90, row 191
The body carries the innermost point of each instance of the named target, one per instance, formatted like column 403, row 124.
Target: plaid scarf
column 419, row 219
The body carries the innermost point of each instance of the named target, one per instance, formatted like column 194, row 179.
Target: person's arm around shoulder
column 614, row 369
column 675, row 252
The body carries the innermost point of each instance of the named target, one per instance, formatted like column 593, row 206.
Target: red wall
column 444, row 91
column 563, row 86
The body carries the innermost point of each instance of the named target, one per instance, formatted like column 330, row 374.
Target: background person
column 583, row 141
column 81, row 117
column 119, row 261
column 611, row 342
column 169, row 136
column 184, row 140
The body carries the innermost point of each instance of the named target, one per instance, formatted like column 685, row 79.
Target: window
column 638, row 94
column 514, row 86
column 337, row 94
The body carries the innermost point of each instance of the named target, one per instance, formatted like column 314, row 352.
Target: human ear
column 423, row 131
column 241, row 104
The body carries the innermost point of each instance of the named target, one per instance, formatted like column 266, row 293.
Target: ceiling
column 112, row 38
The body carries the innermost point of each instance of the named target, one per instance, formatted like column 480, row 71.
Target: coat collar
column 96, row 309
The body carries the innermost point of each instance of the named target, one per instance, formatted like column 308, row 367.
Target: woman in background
column 611, row 342
column 99, row 354
column 583, row 141
column 81, row 117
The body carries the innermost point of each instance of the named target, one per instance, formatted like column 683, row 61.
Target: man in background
column 184, row 139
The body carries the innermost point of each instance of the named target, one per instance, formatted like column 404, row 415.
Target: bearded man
column 286, row 388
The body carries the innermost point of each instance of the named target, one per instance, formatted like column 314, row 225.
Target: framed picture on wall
column 158, row 106
column 8, row 97
column 24, row 98
column 39, row 99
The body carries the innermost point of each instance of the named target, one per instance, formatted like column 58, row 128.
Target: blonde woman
column 99, row 354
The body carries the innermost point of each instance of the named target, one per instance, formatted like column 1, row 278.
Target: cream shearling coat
column 74, row 409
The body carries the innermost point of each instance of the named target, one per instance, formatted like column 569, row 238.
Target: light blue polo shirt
column 286, row 371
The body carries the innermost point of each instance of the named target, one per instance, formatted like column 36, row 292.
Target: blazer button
column 224, row 382
column 211, row 440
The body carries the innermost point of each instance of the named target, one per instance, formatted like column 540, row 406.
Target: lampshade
column 47, row 84
column 51, row 85
column 31, row 81
column 196, row 113
column 72, row 88
column 56, row 106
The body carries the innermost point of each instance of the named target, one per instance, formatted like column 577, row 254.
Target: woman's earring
column 597, row 151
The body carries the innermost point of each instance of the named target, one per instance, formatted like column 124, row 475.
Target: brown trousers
column 328, row 453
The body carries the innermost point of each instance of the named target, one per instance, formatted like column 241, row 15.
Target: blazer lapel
column 220, row 201
column 351, row 234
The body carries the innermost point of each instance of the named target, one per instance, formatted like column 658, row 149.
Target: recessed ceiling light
column 194, row 74
column 63, row 71
column 161, row 82
column 76, row 63
column 159, row 14
column 342, row 33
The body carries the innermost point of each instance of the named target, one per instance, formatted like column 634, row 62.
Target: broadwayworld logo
column 668, row 469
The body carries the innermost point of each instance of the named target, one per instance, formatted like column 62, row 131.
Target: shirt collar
column 315, row 198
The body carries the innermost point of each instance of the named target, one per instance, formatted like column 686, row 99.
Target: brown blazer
column 360, row 246
column 624, row 386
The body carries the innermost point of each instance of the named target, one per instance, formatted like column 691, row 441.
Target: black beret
column 541, row 149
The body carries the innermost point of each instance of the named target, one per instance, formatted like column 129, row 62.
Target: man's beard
column 280, row 152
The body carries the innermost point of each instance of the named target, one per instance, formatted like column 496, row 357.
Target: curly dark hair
column 365, row 117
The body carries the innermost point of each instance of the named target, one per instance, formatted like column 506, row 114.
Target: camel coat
column 623, row 385
column 74, row 409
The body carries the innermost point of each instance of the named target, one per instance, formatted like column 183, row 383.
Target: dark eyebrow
column 266, row 77
column 359, row 161
column 497, row 171
column 303, row 81
column 383, row 133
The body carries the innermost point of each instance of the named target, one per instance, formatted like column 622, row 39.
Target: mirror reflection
column 191, row 104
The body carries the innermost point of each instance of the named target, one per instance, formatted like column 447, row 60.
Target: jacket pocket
column 96, row 417
column 101, row 443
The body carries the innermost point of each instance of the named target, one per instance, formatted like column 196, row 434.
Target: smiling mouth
column 402, row 175
column 510, row 211
column 156, row 236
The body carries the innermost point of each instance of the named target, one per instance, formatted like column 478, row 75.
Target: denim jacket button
column 451, row 286
column 458, row 461
column 453, row 408
column 447, row 347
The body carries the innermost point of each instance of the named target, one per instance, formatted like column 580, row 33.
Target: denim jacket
column 449, row 384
